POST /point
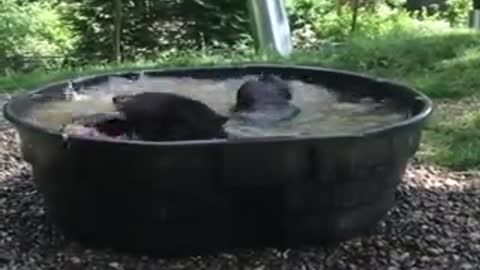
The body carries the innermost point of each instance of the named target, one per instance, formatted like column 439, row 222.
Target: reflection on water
column 322, row 112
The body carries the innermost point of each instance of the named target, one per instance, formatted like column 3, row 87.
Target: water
column 323, row 112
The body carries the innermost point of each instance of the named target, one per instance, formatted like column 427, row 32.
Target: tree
column 117, row 30
column 356, row 6
column 31, row 30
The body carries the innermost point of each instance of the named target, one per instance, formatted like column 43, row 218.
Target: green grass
column 443, row 65
column 19, row 82
column 456, row 147
column 452, row 138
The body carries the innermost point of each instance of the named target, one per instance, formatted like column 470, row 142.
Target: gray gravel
column 4, row 124
column 434, row 226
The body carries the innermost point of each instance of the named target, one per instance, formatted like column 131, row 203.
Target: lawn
column 443, row 65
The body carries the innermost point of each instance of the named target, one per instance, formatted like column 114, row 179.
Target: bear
column 266, row 99
column 160, row 116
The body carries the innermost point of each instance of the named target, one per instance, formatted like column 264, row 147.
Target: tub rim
column 427, row 107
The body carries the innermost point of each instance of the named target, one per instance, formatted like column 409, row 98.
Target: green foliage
column 31, row 30
column 155, row 28
column 318, row 21
column 405, row 51
column 24, row 81
column 150, row 27
column 456, row 11
column 422, row 58
column 315, row 20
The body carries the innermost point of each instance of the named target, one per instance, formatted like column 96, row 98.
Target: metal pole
column 475, row 15
column 270, row 27
column 476, row 19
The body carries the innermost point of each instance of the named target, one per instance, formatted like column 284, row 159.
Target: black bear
column 159, row 116
column 267, row 98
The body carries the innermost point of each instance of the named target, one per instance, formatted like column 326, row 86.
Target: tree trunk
column 356, row 6
column 117, row 30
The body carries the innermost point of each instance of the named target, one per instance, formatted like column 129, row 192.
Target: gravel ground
column 436, row 225
column 3, row 123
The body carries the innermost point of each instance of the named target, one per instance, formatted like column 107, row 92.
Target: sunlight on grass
column 456, row 145
column 453, row 137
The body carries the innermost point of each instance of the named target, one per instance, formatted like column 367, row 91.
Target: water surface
column 323, row 112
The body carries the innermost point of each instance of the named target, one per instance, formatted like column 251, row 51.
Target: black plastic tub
column 198, row 196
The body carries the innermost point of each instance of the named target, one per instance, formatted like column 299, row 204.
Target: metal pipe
column 474, row 15
column 270, row 27
column 476, row 19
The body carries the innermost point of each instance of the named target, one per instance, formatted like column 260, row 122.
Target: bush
column 33, row 30
column 318, row 21
column 315, row 22
column 155, row 28
column 166, row 25
column 151, row 27
column 456, row 11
